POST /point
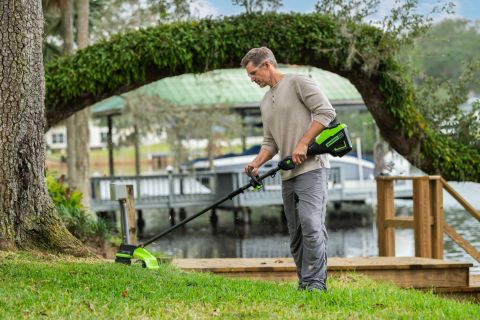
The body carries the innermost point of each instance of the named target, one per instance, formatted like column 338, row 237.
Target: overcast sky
column 469, row 9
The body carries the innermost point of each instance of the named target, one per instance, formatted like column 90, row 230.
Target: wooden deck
column 445, row 277
column 472, row 291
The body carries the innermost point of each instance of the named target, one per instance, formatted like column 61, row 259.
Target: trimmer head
column 128, row 252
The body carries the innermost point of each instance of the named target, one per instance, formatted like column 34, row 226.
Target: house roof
column 110, row 106
column 232, row 87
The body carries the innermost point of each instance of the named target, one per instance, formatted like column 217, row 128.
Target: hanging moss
column 360, row 53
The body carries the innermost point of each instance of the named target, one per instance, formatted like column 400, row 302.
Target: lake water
column 351, row 233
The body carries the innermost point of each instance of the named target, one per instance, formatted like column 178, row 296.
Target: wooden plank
column 392, row 178
column 475, row 280
column 421, row 278
column 470, row 292
column 237, row 265
column 471, row 250
column 461, row 200
column 400, row 222
column 421, row 214
column 404, row 222
column 334, row 264
column 436, row 207
column 403, row 271
column 396, row 263
column 407, row 278
column 385, row 210
column 131, row 215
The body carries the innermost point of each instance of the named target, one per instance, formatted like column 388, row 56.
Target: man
column 294, row 111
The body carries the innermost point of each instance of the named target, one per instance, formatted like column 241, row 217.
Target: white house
column 56, row 137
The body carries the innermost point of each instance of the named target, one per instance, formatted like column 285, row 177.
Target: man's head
column 260, row 64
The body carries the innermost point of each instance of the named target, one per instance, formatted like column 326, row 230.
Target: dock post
column 125, row 197
column 385, row 210
column 436, row 206
column 214, row 220
column 421, row 217
column 131, row 214
column 171, row 216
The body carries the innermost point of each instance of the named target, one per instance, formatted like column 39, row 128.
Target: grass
column 48, row 286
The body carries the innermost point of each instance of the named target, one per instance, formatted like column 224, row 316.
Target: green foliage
column 447, row 51
column 440, row 102
column 360, row 124
column 55, row 288
column 360, row 52
column 114, row 16
column 252, row 6
column 53, row 41
column 76, row 218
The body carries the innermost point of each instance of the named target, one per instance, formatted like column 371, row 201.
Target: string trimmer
column 333, row 140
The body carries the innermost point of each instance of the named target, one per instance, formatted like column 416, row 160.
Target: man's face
column 258, row 74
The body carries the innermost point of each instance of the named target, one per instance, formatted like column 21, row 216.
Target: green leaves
column 69, row 206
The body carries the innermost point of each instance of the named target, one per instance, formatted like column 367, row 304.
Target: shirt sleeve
column 268, row 141
column 314, row 99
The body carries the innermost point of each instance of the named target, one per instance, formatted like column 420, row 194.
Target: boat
column 349, row 167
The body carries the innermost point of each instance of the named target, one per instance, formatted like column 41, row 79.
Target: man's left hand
column 299, row 154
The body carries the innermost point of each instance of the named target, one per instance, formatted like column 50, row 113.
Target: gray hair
column 257, row 56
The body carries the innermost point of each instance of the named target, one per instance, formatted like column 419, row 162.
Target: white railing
column 203, row 188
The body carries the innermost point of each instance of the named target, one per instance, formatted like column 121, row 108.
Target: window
column 58, row 138
column 103, row 137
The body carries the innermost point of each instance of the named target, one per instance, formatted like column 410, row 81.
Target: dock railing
column 428, row 219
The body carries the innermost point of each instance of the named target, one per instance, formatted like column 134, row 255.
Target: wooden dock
column 444, row 277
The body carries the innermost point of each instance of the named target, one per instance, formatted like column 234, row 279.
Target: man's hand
column 299, row 154
column 253, row 167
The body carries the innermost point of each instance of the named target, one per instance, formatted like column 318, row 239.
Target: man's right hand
column 252, row 166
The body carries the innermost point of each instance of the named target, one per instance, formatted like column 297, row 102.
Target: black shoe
column 302, row 286
column 315, row 287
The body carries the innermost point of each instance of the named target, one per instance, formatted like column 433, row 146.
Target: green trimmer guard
column 128, row 252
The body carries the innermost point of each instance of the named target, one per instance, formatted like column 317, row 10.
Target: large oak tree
column 27, row 215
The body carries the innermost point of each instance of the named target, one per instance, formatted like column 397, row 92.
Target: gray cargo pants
column 304, row 200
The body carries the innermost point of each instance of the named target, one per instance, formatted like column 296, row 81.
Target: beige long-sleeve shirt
column 287, row 111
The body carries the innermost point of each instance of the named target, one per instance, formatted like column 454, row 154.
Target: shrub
column 78, row 220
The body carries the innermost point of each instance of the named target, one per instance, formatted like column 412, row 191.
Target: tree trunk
column 71, row 158
column 82, row 133
column 27, row 215
column 66, row 9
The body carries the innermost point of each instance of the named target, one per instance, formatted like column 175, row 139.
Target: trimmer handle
column 286, row 164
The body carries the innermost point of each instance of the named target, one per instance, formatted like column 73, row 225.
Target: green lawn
column 46, row 286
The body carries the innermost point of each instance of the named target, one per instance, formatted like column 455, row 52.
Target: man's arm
column 299, row 154
column 322, row 114
column 267, row 151
column 263, row 156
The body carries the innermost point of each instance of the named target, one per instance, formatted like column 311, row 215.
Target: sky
column 469, row 9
